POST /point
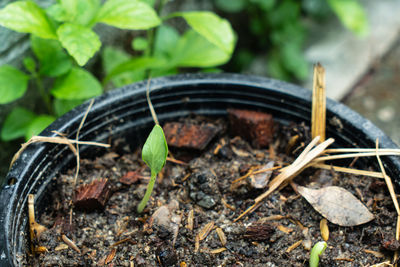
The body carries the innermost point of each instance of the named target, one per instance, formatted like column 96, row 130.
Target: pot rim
column 8, row 195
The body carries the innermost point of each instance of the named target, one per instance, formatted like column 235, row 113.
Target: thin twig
column 291, row 171
column 347, row 170
column 77, row 141
column 54, row 140
column 391, row 191
column 353, row 155
column 152, row 111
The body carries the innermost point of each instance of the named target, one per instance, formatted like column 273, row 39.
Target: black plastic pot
column 124, row 113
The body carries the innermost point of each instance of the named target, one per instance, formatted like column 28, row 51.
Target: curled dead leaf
column 337, row 205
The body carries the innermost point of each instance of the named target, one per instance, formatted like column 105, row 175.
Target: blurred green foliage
column 278, row 30
column 62, row 42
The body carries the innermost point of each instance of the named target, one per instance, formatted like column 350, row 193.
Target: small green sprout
column 154, row 154
column 316, row 251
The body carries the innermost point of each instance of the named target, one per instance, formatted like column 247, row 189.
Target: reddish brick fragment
column 256, row 127
column 189, row 136
column 92, row 196
column 130, row 177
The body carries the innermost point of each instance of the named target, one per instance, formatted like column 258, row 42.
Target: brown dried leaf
column 221, row 236
column 190, row 220
column 110, row 256
column 206, row 230
column 337, row 205
column 217, row 250
column 294, row 246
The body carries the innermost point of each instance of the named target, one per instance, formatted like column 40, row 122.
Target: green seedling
column 154, row 154
column 316, row 251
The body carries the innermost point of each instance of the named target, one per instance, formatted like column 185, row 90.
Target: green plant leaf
column 13, row 84
column 29, row 64
column 16, row 124
column 215, row 29
column 294, row 60
column 166, row 39
column 81, row 12
column 136, row 64
column 155, row 150
column 38, row 125
column 111, row 58
column 57, row 13
column 77, row 84
column 351, row 14
column 81, row 42
column 128, row 14
column 232, row 6
column 193, row 50
column 53, row 59
column 27, row 17
column 62, row 106
column 140, row 44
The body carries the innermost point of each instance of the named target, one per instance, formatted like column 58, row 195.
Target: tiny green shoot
column 154, row 154
column 316, row 251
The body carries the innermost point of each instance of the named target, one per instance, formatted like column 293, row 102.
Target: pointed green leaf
column 128, row 14
column 57, row 13
column 193, row 50
column 27, row 17
column 215, row 29
column 77, row 84
column 155, row 150
column 38, row 125
column 16, row 124
column 351, row 14
column 53, row 59
column 13, row 84
column 81, row 42
column 81, row 12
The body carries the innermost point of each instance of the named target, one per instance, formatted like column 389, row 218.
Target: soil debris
column 93, row 196
column 256, row 127
column 190, row 136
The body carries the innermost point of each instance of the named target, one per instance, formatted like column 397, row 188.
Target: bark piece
column 256, row 127
column 259, row 231
column 93, row 196
column 129, row 178
column 189, row 136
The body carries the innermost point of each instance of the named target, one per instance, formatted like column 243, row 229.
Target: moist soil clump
column 189, row 219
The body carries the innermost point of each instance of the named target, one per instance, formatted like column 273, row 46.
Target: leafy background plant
column 68, row 64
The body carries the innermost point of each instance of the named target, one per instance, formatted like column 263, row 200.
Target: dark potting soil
column 189, row 220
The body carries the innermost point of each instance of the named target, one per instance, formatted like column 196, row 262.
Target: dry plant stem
column 153, row 113
column 350, row 150
column 77, row 140
column 70, row 243
column 347, row 170
column 54, row 140
column 361, row 154
column 387, row 180
column 318, row 116
column 291, row 171
column 35, row 229
column 392, row 194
